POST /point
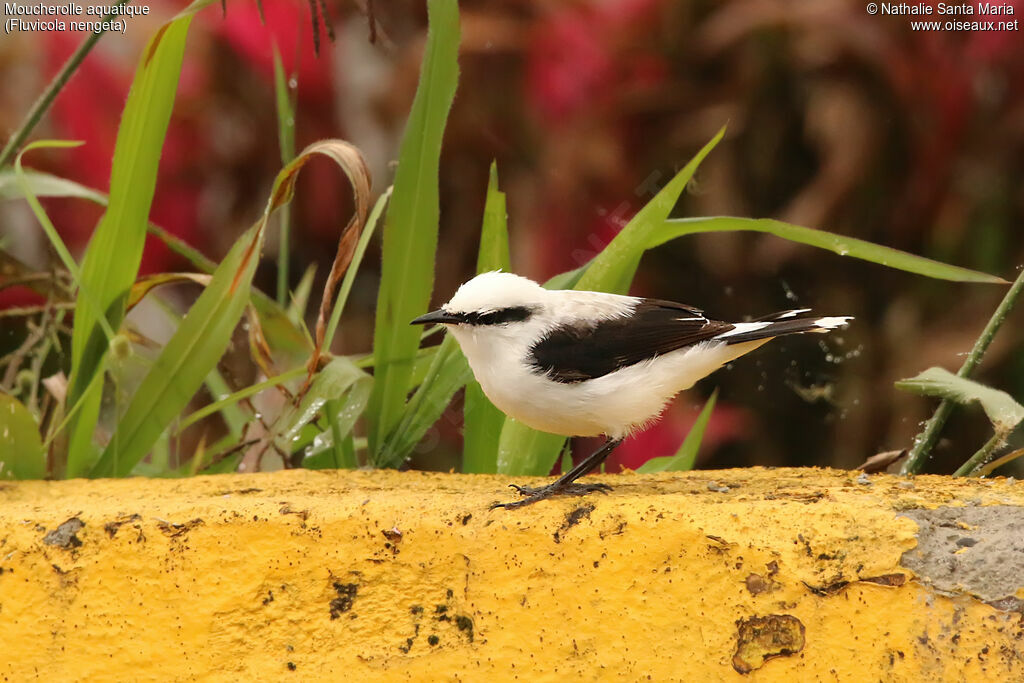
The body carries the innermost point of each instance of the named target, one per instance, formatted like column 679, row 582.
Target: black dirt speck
column 572, row 519
column 465, row 625
column 346, row 596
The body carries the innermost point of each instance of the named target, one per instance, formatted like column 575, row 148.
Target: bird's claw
column 533, row 494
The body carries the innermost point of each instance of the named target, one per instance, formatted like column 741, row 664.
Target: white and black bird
column 581, row 363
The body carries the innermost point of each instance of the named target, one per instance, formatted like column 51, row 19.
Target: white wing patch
column 741, row 328
column 833, row 322
column 793, row 313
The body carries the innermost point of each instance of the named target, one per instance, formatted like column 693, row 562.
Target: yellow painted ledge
column 788, row 575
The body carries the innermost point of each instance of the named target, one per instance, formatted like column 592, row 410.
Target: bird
column 583, row 363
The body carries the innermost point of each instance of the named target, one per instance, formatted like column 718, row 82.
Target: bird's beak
column 438, row 316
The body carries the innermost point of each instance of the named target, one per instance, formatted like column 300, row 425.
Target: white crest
column 494, row 291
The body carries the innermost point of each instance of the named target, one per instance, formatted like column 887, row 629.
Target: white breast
column 615, row 404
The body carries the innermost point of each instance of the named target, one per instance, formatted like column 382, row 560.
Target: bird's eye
column 500, row 316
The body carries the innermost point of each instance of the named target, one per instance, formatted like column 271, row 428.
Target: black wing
column 581, row 351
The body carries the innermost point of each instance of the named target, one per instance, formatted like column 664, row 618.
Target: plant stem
column 981, row 457
column 991, row 466
column 926, row 439
column 42, row 105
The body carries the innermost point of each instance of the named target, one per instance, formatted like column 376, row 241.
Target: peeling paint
column 65, row 535
column 759, row 639
column 977, row 551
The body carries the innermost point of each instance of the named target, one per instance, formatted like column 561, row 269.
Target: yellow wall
column 395, row 576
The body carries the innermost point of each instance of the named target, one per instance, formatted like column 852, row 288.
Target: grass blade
column 185, row 362
column 22, row 181
column 612, row 270
column 410, row 229
column 686, row 456
column 21, row 447
column 204, row 333
column 339, row 377
column 839, row 244
column 45, row 184
column 296, row 310
column 353, row 267
column 341, row 390
column 285, row 104
column 526, row 452
column 448, row 372
column 231, row 399
column 482, row 421
column 990, row 467
column 115, row 250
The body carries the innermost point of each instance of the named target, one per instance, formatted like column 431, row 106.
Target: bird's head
column 490, row 301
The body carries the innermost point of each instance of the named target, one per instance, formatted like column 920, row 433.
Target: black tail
column 779, row 324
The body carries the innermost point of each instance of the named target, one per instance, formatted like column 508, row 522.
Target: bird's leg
column 565, row 485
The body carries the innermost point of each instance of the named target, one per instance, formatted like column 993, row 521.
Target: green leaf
column 1004, row 412
column 482, row 421
column 115, row 249
column 494, row 249
column 527, row 452
column 284, row 99
column 566, row 280
column 338, row 378
column 296, row 309
column 21, row 448
column 347, row 394
column 24, row 184
column 410, row 229
column 353, row 268
column 839, row 244
column 225, row 399
column 686, row 456
column 524, row 451
column 46, row 185
column 448, row 372
column 286, row 141
column 205, row 332
column 186, row 361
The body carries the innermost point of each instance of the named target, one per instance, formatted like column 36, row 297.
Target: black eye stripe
column 512, row 314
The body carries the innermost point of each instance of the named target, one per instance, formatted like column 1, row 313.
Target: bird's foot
column 534, row 493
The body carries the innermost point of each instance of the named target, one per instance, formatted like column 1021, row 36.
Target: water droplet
column 293, row 82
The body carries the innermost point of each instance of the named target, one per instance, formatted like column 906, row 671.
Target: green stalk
column 285, row 101
column 42, row 104
column 981, row 457
column 925, row 441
